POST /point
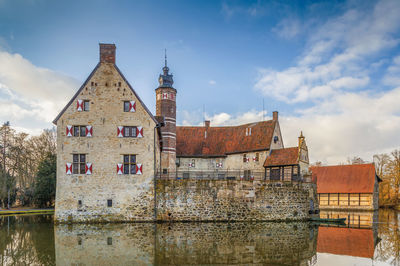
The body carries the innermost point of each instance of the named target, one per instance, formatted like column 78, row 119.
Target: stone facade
column 84, row 197
column 221, row 200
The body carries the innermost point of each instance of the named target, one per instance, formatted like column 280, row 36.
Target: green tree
column 45, row 183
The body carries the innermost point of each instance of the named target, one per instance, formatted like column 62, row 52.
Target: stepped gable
column 346, row 241
column 220, row 141
column 285, row 156
column 355, row 178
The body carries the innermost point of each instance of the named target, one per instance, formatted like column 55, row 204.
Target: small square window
column 109, row 203
column 79, row 203
column 165, row 171
column 86, row 105
column 79, row 241
column 126, row 106
column 119, row 84
column 109, row 241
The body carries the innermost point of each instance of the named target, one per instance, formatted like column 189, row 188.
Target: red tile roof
column 356, row 178
column 286, row 156
column 346, row 241
column 219, row 141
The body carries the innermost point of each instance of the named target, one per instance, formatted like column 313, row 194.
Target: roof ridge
column 241, row 125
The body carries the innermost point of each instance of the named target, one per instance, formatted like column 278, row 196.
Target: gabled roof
column 76, row 94
column 346, row 241
column 220, row 141
column 285, row 156
column 86, row 81
column 355, row 178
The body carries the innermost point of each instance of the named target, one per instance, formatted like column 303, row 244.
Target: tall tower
column 166, row 107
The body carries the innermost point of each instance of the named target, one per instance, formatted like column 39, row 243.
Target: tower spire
column 165, row 78
column 165, row 56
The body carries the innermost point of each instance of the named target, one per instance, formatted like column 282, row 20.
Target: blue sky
column 331, row 68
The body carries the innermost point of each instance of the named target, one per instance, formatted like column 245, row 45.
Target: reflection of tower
column 166, row 107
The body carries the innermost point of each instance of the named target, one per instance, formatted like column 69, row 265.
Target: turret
column 166, row 107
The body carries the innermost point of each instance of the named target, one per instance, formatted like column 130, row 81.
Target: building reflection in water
column 358, row 238
column 34, row 240
column 186, row 243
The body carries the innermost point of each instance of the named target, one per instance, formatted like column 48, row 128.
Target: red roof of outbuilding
column 219, row 141
column 346, row 241
column 355, row 178
column 286, row 156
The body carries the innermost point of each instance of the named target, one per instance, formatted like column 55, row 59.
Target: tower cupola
column 165, row 79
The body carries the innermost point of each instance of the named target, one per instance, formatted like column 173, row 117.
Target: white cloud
column 288, row 28
column 212, row 82
column 31, row 96
column 392, row 77
column 345, row 117
column 337, row 56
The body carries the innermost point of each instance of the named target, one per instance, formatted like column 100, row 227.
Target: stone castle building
column 111, row 151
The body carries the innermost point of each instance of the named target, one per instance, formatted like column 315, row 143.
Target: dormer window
column 276, row 139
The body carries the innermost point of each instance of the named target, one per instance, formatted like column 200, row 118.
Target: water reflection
column 186, row 243
column 33, row 240
column 27, row 240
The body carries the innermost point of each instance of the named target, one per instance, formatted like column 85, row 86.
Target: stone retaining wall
column 224, row 200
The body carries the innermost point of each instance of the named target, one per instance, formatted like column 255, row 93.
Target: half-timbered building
column 347, row 187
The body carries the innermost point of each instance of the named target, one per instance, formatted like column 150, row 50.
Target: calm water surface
column 368, row 239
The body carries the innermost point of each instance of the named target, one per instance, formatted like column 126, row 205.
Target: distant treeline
column 27, row 168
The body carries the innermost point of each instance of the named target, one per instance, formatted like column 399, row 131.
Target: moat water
column 368, row 239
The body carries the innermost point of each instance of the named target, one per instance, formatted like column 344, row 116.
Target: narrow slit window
column 126, row 106
column 86, row 105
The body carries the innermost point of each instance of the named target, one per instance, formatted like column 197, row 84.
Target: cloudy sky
column 331, row 68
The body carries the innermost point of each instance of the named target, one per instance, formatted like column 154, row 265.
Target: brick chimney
column 207, row 123
column 275, row 115
column 107, row 53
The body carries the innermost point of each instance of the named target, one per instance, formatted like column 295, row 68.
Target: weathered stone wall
column 230, row 162
column 186, row 243
column 224, row 200
column 131, row 195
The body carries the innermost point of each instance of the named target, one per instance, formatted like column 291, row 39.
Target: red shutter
column 139, row 132
column 132, row 106
column 79, row 105
column 68, row 168
column 139, row 169
column 120, row 131
column 69, row 131
column 119, row 169
column 88, row 168
column 89, row 131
